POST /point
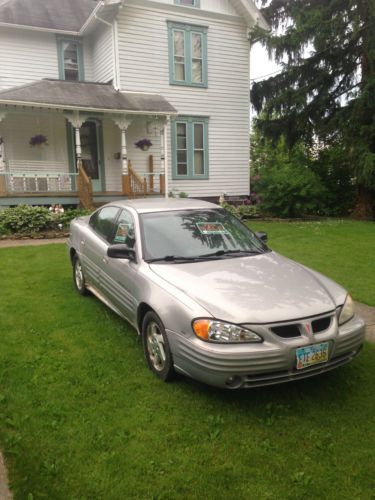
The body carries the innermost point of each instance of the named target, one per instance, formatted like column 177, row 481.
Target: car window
column 124, row 232
column 194, row 233
column 103, row 222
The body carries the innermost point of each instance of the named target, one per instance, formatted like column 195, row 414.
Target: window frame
column 94, row 217
column 189, row 30
column 196, row 4
column 60, row 56
column 190, row 122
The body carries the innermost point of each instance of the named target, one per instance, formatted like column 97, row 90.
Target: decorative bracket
column 75, row 119
column 122, row 121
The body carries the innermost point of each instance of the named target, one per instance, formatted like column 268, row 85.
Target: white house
column 83, row 81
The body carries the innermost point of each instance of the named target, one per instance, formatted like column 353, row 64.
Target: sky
column 260, row 64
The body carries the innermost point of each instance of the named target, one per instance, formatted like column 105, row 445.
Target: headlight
column 224, row 333
column 347, row 312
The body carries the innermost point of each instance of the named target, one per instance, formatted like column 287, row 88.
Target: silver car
column 207, row 296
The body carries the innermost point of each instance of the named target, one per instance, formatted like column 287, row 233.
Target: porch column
column 2, row 161
column 84, row 183
column 163, row 124
column 165, row 159
column 76, row 121
column 123, row 123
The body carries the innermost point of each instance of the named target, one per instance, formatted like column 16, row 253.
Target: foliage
column 38, row 140
column 143, row 144
column 284, row 181
column 242, row 211
column 183, row 195
column 327, row 84
column 66, row 218
column 25, row 219
column 83, row 417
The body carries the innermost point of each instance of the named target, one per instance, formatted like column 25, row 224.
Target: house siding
column 101, row 49
column 26, row 56
column 18, row 128
column 144, row 66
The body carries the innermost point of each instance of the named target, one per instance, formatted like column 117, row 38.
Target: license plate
column 312, row 355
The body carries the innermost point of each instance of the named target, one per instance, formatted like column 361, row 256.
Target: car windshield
column 196, row 234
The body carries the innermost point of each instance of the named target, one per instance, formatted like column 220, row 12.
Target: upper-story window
column 70, row 59
column 187, row 55
column 190, row 3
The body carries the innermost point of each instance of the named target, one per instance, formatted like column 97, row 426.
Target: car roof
column 149, row 205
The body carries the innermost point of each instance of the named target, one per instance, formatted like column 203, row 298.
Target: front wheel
column 79, row 277
column 156, row 347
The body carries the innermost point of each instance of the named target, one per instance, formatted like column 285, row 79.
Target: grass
column 81, row 417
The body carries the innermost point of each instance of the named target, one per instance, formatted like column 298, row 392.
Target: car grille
column 287, row 331
column 294, row 330
column 319, row 325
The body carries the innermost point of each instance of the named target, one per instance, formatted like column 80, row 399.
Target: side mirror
column 121, row 252
column 262, row 236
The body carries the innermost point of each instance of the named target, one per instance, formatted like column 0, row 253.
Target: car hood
column 265, row 288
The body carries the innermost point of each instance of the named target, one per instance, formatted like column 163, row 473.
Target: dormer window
column 70, row 59
column 189, row 3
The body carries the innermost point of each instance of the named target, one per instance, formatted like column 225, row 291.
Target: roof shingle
column 59, row 15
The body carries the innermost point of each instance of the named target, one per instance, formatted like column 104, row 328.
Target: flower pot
column 145, row 147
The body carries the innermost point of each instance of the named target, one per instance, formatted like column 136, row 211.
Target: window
column 103, row 222
column 189, row 3
column 70, row 59
column 190, row 148
column 187, row 55
column 124, row 233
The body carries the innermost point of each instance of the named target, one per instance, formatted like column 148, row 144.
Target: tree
column 283, row 179
column 326, row 89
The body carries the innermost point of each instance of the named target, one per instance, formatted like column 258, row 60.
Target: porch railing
column 40, row 182
column 147, row 183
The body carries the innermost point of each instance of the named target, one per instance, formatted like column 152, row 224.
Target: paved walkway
column 25, row 243
column 4, row 491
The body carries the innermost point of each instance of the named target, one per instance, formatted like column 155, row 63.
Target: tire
column 79, row 277
column 156, row 347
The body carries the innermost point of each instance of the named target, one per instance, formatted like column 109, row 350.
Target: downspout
column 116, row 64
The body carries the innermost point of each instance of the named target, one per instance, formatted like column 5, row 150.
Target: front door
column 92, row 154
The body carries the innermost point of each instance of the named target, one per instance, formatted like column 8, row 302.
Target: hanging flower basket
column 38, row 140
column 143, row 144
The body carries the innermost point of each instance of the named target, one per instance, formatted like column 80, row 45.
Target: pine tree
column 326, row 89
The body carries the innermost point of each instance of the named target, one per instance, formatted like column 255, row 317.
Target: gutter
column 83, row 109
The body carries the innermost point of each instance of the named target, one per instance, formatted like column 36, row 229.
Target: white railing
column 41, row 182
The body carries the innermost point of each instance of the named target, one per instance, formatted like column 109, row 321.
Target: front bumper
column 260, row 364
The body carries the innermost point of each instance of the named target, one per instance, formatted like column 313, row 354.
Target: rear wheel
column 156, row 347
column 79, row 277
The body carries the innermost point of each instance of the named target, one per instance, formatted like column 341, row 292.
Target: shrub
column 66, row 218
column 286, row 185
column 242, row 211
column 25, row 219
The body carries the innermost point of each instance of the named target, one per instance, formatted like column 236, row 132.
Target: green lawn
column 81, row 417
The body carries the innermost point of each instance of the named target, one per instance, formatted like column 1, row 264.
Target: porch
column 75, row 144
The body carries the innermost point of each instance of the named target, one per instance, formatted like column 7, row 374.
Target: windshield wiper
column 172, row 258
column 221, row 253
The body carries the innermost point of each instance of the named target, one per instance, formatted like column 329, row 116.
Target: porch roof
column 85, row 96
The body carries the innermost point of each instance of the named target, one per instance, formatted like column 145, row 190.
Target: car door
column 95, row 243
column 118, row 275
